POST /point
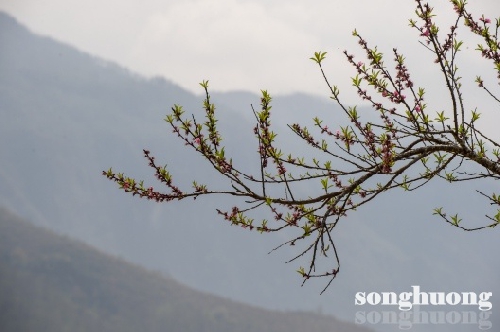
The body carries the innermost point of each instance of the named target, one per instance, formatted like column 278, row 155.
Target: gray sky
column 249, row 44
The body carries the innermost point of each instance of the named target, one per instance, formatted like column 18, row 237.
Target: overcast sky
column 244, row 44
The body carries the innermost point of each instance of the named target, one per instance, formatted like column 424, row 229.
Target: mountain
column 52, row 283
column 67, row 115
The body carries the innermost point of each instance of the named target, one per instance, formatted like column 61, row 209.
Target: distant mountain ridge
column 66, row 115
column 53, row 283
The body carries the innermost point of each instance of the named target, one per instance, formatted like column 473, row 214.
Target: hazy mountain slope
column 52, row 283
column 66, row 116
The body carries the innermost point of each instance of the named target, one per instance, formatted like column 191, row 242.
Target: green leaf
column 441, row 117
column 356, row 81
column 307, row 230
column 324, row 145
column 455, row 220
column 421, row 92
column 318, row 57
column 457, row 44
column 450, row 177
column 324, row 183
column 438, row 211
column 497, row 216
column 475, row 116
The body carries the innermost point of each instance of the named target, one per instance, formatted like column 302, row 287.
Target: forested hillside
column 52, row 283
